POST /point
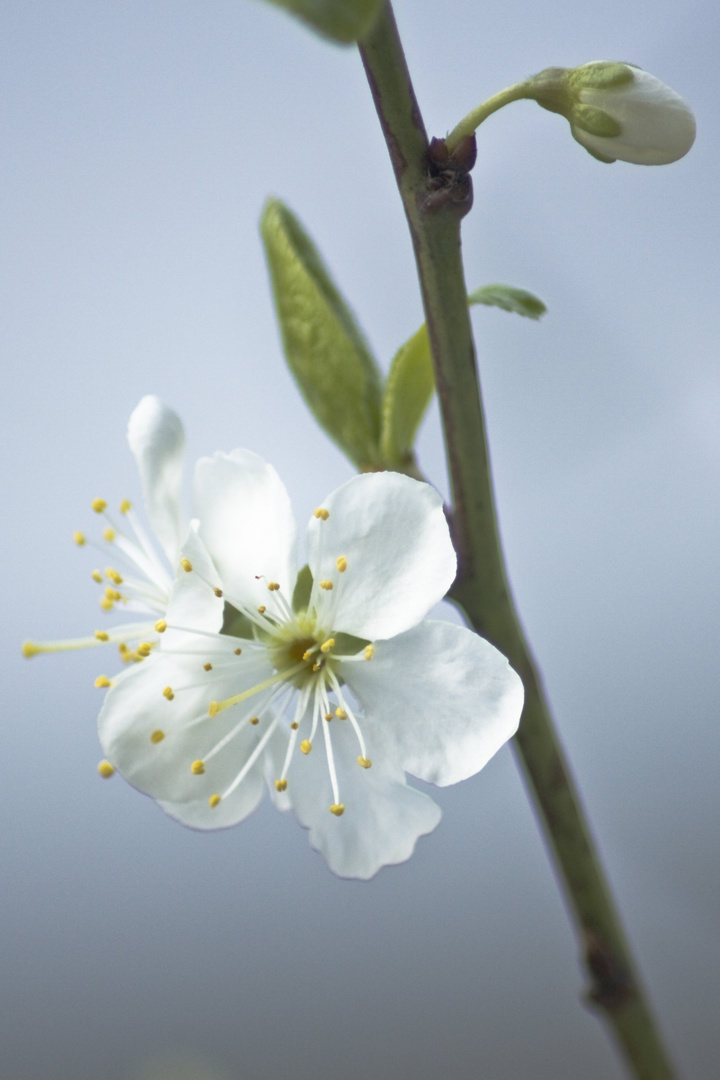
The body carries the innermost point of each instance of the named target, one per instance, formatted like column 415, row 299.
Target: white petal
column 193, row 602
column 199, row 814
column 439, row 701
column 247, row 524
column 400, row 559
column 157, row 441
column 135, row 708
column 383, row 816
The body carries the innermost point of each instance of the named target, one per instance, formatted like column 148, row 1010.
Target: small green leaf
column 342, row 20
column 302, row 590
column 325, row 350
column 509, row 299
column 408, row 392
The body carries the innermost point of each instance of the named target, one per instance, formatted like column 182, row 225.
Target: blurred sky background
column 140, row 141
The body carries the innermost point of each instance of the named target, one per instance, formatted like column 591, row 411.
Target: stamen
column 98, row 505
column 106, row 605
column 331, row 769
column 364, row 762
column 306, row 746
column 214, row 801
column 144, row 649
column 114, row 576
column 79, row 538
column 262, row 609
column 294, row 725
column 281, row 676
column 341, row 714
column 327, row 585
column 348, row 714
column 338, row 809
column 112, row 594
column 101, row 635
column 102, row 682
column 369, row 652
column 237, row 652
column 97, row 576
column 157, row 736
column 341, row 564
column 218, row 592
column 328, row 716
column 125, row 505
column 281, row 785
column 254, row 720
column 161, row 626
column 197, row 768
column 186, row 565
column 106, row 770
column 327, row 645
column 321, row 513
column 207, row 667
column 273, row 586
column 109, row 535
column 168, row 693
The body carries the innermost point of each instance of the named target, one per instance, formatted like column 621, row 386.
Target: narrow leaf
column 341, row 20
column 509, row 299
column 325, row 350
column 408, row 392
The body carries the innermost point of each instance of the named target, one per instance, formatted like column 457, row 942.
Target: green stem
column 470, row 123
column 481, row 588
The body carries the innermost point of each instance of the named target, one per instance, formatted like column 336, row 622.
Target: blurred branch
column 436, row 194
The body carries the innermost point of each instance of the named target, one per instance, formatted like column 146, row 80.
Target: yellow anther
column 144, row 649
column 340, row 713
column 186, row 565
column 218, row 592
column 105, row 604
column 158, row 736
column 109, row 535
column 262, row 609
column 102, row 681
column 101, row 635
column 214, row 801
column 307, row 656
column 327, row 645
column 316, row 667
column 197, row 768
column 30, row 649
column 341, row 564
column 125, row 505
column 321, row 513
column 273, row 587
column 328, row 716
column 112, row 594
column 106, row 770
column 364, row 762
column 161, row 626
column 168, row 693
column 97, row 576
column 254, row 720
column 327, row 585
column 113, row 575
column 238, row 652
column 207, row 667
column 79, row 538
column 98, row 505
column 281, row 785
column 338, row 809
column 369, row 652
column 213, row 708
column 306, row 746
column 294, row 725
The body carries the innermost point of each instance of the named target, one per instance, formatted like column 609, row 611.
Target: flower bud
column 618, row 111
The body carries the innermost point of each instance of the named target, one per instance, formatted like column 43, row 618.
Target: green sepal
column 509, row 299
column 236, row 624
column 595, row 122
column 343, row 21
column 600, row 75
column 408, row 392
column 302, row 590
column 598, row 157
column 324, row 348
column 348, row 644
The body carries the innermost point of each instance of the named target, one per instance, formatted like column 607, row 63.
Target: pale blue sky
column 140, row 141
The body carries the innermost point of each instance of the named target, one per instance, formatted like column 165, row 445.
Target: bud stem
column 476, row 116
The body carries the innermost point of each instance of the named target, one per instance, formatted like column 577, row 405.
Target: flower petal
column 439, row 701
column 383, row 816
column 392, row 532
column 247, row 524
column 136, row 709
column 157, row 441
column 193, row 600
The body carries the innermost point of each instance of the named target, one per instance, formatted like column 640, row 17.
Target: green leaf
column 302, row 590
column 325, row 350
column 408, row 392
column 342, row 20
column 509, row 299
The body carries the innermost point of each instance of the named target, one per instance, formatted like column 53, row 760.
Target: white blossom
column 328, row 684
